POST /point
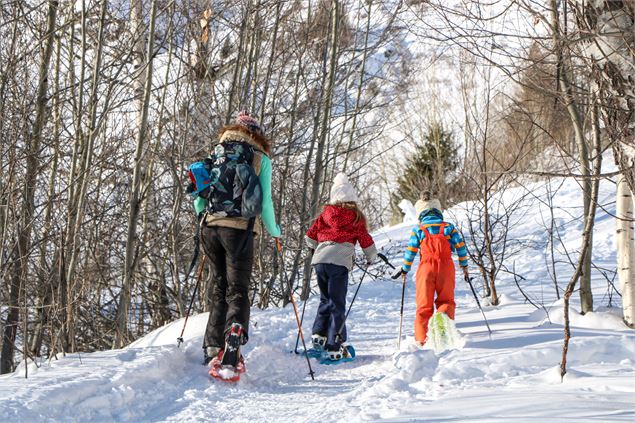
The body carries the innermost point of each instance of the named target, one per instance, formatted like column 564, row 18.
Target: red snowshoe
column 229, row 364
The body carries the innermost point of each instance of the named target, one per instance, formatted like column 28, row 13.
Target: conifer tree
column 430, row 168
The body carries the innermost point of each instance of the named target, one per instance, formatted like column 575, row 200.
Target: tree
column 431, row 167
column 18, row 281
column 610, row 47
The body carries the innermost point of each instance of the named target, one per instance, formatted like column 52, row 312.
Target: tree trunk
column 135, row 191
column 45, row 285
column 626, row 249
column 28, row 205
column 564, row 86
column 589, row 221
column 239, row 65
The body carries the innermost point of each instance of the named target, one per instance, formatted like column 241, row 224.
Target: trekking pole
column 469, row 281
column 385, row 260
column 403, row 292
column 297, row 338
column 179, row 340
column 197, row 247
column 295, row 309
column 338, row 335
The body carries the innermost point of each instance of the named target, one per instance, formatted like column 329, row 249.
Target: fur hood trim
column 239, row 132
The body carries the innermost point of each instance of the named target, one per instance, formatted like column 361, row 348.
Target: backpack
column 228, row 181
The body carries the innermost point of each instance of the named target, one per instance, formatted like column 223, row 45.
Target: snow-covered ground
column 511, row 376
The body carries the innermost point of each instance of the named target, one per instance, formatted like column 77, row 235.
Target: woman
column 228, row 243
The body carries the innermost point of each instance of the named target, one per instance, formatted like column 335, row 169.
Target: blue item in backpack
column 199, row 175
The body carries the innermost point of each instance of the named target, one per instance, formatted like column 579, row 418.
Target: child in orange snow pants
column 436, row 240
column 434, row 275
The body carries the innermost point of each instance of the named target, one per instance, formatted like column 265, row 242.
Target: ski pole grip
column 278, row 245
column 385, row 260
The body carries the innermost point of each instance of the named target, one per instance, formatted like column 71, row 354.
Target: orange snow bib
column 435, row 274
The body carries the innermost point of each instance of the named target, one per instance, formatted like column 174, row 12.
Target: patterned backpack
column 228, row 181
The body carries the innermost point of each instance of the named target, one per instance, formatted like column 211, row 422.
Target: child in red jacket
column 333, row 236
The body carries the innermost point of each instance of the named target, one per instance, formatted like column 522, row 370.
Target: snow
column 511, row 376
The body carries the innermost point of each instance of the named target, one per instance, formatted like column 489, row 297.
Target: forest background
column 104, row 104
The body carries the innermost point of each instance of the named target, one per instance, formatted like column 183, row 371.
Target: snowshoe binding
column 345, row 354
column 318, row 342
column 229, row 364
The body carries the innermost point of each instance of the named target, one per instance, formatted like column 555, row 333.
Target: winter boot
column 231, row 354
column 336, row 355
column 318, row 341
column 209, row 353
column 345, row 354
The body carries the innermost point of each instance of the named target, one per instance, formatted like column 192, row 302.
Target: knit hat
column 244, row 119
column 423, row 205
column 342, row 191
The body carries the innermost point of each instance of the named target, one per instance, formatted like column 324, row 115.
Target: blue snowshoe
column 345, row 354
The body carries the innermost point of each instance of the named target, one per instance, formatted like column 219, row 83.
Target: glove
column 466, row 273
column 399, row 273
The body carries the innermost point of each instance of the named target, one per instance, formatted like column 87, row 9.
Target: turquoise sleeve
column 199, row 205
column 268, row 215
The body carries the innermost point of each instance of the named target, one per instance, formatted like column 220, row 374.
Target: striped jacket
column 432, row 222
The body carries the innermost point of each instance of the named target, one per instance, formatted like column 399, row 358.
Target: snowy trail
column 486, row 379
column 512, row 376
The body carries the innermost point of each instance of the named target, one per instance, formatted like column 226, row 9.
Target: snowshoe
column 345, row 354
column 443, row 334
column 313, row 353
column 229, row 363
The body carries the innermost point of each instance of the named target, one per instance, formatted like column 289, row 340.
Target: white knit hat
column 422, row 205
column 342, row 191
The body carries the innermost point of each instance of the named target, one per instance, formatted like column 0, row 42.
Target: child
column 333, row 237
column 436, row 269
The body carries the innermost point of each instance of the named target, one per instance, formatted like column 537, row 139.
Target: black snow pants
column 228, row 294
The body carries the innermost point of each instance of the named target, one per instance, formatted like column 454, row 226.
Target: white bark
column 626, row 248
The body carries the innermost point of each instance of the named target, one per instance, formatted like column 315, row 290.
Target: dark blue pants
column 333, row 282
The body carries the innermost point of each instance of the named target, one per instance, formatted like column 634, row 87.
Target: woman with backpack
column 228, row 236
column 333, row 236
column 435, row 239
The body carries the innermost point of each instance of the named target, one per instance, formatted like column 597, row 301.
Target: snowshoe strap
column 231, row 354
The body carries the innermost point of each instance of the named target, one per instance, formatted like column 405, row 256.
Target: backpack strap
column 424, row 229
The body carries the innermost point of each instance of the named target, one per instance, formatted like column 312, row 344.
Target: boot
column 209, row 353
column 318, row 341
column 336, row 355
column 231, row 354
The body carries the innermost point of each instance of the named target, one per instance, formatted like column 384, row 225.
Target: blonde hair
column 351, row 205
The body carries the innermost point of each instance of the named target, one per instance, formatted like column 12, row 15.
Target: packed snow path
column 512, row 376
